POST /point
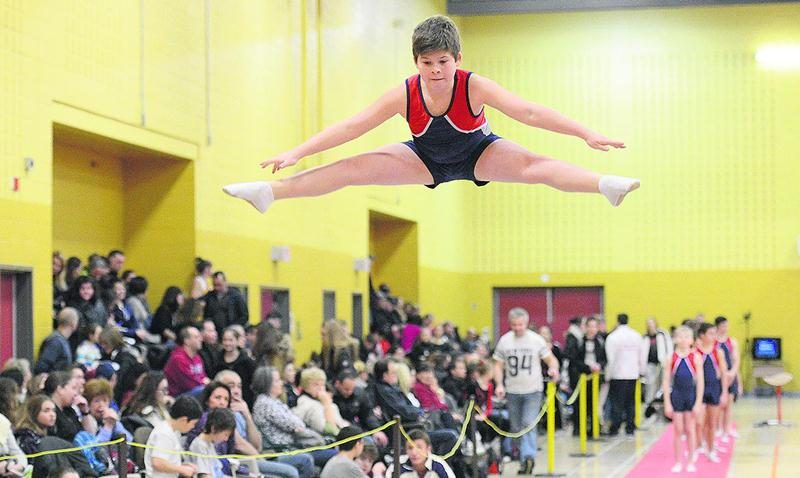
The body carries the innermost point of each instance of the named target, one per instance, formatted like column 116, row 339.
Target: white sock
column 614, row 188
column 259, row 194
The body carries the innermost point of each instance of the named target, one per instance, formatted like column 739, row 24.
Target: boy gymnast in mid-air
column 444, row 108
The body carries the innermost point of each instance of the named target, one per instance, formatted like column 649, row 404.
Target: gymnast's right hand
column 283, row 160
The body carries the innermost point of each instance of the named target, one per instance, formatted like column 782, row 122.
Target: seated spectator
column 218, row 428
column 339, row 349
column 451, row 332
column 267, row 349
column 471, row 341
column 184, row 369
column 137, row 301
column 89, row 352
column 482, row 387
column 291, row 466
column 441, row 342
column 23, row 367
column 122, row 312
column 315, row 406
column 116, row 350
column 151, row 400
column 238, row 328
column 8, row 444
column 420, row 461
column 431, row 399
column 78, row 373
column 231, row 357
column 343, row 465
column 164, row 322
column 456, row 383
column 210, row 348
column 279, row 427
column 422, row 348
column 84, row 297
column 369, row 463
column 38, row 417
column 56, row 353
column 165, row 437
column 62, row 389
column 393, row 402
column 405, row 381
column 290, row 384
column 105, row 419
column 217, row 395
column 356, row 406
column 427, row 390
column 127, row 384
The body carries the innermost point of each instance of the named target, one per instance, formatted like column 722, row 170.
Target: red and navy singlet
column 711, row 377
column 684, row 389
column 449, row 144
column 727, row 348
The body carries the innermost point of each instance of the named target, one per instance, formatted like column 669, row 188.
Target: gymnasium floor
column 767, row 452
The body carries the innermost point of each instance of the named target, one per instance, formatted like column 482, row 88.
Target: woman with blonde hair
column 339, row 349
column 315, row 405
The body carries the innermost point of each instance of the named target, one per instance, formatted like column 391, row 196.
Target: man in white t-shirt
column 166, row 436
column 518, row 374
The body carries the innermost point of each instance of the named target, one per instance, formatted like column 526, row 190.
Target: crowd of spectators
column 198, row 375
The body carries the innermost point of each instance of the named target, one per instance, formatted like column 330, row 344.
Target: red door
column 267, row 303
column 553, row 306
column 534, row 300
column 6, row 317
column 569, row 302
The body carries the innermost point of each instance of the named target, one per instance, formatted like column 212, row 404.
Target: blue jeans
column 522, row 411
column 290, row 466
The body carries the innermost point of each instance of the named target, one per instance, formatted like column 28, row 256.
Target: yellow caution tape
column 64, row 450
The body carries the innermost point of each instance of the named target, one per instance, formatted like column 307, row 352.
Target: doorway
column 16, row 314
column 358, row 315
column 108, row 194
column 394, row 248
column 553, row 306
column 273, row 299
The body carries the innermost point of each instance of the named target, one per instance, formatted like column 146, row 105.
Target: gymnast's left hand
column 598, row 141
column 283, row 160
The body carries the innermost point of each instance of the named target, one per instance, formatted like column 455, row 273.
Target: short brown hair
column 97, row 387
column 436, row 33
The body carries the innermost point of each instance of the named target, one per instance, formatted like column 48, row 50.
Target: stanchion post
column 637, row 404
column 582, row 418
column 551, row 432
column 398, row 441
column 122, row 460
column 595, row 405
column 474, row 440
column 551, row 427
column 582, row 413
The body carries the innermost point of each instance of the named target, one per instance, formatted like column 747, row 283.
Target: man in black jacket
column 356, row 406
column 586, row 357
column 225, row 305
column 393, row 402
